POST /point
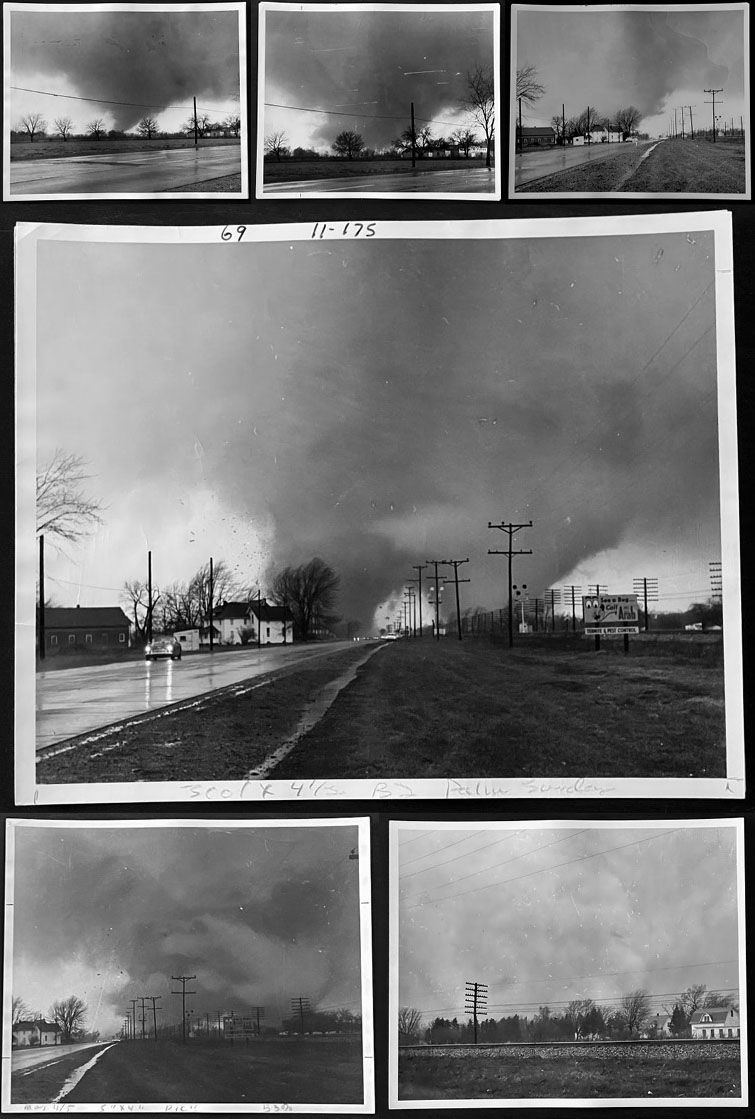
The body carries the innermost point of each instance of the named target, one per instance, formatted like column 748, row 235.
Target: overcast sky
column 260, row 916
column 363, row 69
column 655, row 60
column 546, row 915
column 150, row 63
column 378, row 402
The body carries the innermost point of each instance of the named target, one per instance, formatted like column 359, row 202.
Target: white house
column 38, row 1032
column 231, row 619
column 273, row 625
column 658, row 1026
column 715, row 1022
column 248, row 623
column 600, row 136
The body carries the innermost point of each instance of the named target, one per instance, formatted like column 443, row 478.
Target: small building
column 272, row 625
column 83, row 628
column 658, row 1026
column 715, row 1023
column 536, row 137
column 188, row 639
column 231, row 619
column 37, row 1032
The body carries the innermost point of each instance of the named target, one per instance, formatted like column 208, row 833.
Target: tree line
column 581, row 1020
column 68, row 1014
column 34, row 124
column 529, row 91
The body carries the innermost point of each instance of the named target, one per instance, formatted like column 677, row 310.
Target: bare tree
column 69, row 1014
column 63, row 127
column 348, row 143
column 409, row 1025
column 276, row 144
column 628, row 119
column 528, row 88
column 96, row 128
column 420, row 139
column 20, row 1010
column 135, row 595
column 309, row 591
column 147, row 127
column 464, row 139
column 586, row 121
column 233, row 124
column 634, row 1010
column 480, row 102
column 33, row 124
column 63, row 509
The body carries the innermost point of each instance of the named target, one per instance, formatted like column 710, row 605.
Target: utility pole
column 154, row 999
column 648, row 588
column 598, row 589
column 183, row 980
column 456, row 564
column 212, row 592
column 563, row 126
column 712, row 103
column 414, row 140
column 42, row 598
column 574, row 592
column 474, row 1002
column 133, row 1018
column 142, row 1000
column 555, row 596
column 691, row 126
column 149, row 597
column 716, row 579
column 436, row 565
column 196, row 126
column 419, row 568
column 409, row 597
column 299, row 1006
column 260, row 1012
column 510, row 530
column 259, row 617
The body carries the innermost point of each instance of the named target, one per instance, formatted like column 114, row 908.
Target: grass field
column 544, row 709
column 476, row 1078
column 549, row 708
column 281, row 1070
column 65, row 149
column 690, row 166
column 288, row 171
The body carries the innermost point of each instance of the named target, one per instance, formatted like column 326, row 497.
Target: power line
column 361, row 116
column 466, row 854
column 542, row 870
column 608, row 1000
column 125, row 104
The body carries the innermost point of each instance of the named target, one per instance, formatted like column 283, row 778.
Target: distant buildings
column 37, row 1032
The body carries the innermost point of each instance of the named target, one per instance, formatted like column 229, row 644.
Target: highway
column 123, row 172
column 476, row 180
column 530, row 166
column 30, row 1058
column 73, row 701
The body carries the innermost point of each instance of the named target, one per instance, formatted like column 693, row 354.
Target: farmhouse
column 537, row 137
column 275, row 624
column 38, row 1032
column 85, row 627
column 715, row 1022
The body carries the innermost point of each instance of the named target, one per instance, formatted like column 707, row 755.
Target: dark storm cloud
column 378, row 403
column 256, row 914
column 153, row 59
column 373, row 64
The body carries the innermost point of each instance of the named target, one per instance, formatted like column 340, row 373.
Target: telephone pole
column 133, row 1018
column 260, row 1012
column 212, row 591
column 154, row 999
column 149, row 598
column 474, row 1001
column 142, row 1000
column 300, row 1006
column 419, row 568
column 196, row 125
column 574, row 591
column 42, row 597
column 510, row 529
column 456, row 564
column 712, row 103
column 183, row 980
column 436, row 565
column 648, row 588
column 691, row 125
column 414, row 140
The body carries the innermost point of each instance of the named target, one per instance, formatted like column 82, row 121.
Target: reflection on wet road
column 72, row 701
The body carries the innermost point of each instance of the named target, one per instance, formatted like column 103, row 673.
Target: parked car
column 163, row 647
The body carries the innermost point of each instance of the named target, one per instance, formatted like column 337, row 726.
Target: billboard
column 610, row 614
column 239, row 1028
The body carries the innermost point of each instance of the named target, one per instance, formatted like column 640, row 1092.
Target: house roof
column 68, row 617
column 538, row 131
column 230, row 610
column 267, row 613
column 717, row 1015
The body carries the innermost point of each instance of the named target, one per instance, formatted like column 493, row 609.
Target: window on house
column 71, row 638
column 268, row 631
column 122, row 638
column 54, row 639
column 704, row 1032
column 88, row 639
column 104, row 638
column 731, row 1033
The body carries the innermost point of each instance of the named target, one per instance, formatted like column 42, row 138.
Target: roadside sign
column 239, row 1028
column 610, row 614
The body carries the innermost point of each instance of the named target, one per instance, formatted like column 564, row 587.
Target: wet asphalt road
column 477, row 180
column 534, row 165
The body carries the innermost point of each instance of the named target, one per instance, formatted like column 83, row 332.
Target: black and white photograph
column 567, row 964
column 440, row 508
column 125, row 101
column 378, row 100
column 178, row 964
column 630, row 100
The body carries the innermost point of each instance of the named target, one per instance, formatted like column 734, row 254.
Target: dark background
column 272, row 211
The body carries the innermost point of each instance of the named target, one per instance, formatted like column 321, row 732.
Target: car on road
column 163, row 647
